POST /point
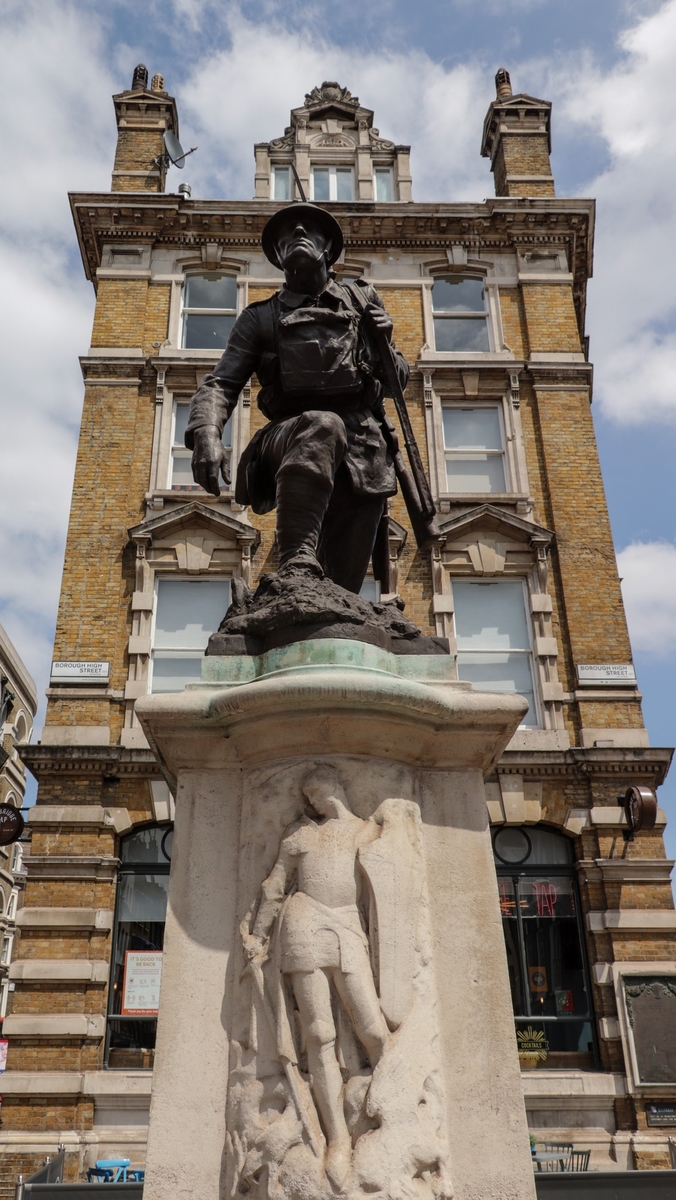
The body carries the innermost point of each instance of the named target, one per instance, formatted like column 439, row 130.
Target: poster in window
column 3, row 1054
column 141, row 984
column 538, row 979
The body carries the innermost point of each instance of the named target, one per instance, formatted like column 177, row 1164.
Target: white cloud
column 648, row 572
column 58, row 134
column 225, row 108
column 632, row 311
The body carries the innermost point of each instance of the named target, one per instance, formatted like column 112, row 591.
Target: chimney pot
column 503, row 84
column 139, row 81
column 157, row 84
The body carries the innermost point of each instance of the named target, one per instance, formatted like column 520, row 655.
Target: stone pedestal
column 433, row 1103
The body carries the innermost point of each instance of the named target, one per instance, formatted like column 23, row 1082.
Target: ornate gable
column 487, row 540
column 333, row 129
column 195, row 538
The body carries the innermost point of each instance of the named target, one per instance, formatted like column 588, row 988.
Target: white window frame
column 449, row 452
column 516, row 473
column 538, row 723
column 472, row 315
column 180, row 451
column 333, row 184
column 204, row 312
column 371, row 582
column 4, row 998
column 174, row 576
column 381, row 170
column 12, row 903
column 6, row 949
column 281, row 168
column 492, row 314
column 17, row 859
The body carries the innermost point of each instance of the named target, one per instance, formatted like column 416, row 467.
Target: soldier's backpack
column 318, row 351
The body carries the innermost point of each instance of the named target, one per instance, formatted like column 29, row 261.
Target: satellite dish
column 175, row 152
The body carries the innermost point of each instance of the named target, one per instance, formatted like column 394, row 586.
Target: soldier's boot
column 302, row 501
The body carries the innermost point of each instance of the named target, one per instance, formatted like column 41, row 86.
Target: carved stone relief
column 334, row 1088
column 651, row 1009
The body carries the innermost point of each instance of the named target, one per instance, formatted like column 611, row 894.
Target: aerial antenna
column 299, row 184
column 174, row 154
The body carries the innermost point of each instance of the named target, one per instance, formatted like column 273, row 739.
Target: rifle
column 413, row 481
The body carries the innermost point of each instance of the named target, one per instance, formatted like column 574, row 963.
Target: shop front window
column 136, row 968
column 545, row 949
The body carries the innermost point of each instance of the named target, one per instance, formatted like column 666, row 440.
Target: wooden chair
column 579, row 1160
column 564, row 1149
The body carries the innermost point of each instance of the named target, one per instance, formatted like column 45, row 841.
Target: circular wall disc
column 11, row 824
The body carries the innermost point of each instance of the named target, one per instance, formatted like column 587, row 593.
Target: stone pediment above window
column 196, row 539
column 487, row 540
column 334, row 141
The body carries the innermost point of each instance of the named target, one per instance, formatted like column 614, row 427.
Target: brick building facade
column 488, row 303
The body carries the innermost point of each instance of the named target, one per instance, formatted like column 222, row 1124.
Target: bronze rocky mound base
column 297, row 606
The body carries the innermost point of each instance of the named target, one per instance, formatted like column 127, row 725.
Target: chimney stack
column 143, row 115
column 517, row 139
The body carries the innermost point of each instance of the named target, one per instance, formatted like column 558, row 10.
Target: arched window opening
column 548, row 972
column 138, row 942
column 21, row 728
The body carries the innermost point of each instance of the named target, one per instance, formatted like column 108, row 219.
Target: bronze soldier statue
column 324, row 460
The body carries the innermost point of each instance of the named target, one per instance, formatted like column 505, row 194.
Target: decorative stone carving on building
column 651, row 1010
column 328, row 93
column 334, row 129
column 334, row 1088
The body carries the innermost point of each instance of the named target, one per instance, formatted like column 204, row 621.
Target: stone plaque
column 660, row 1114
column 651, row 1010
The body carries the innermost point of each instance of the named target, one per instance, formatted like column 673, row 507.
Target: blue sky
column 427, row 71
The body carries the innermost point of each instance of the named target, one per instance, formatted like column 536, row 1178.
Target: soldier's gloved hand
column 379, row 320
column 209, row 459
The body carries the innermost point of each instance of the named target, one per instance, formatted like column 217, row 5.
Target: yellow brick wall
column 522, row 154
column 111, row 479
column 156, row 325
column 514, row 328
column 120, row 314
column 550, row 316
column 576, row 506
column 136, row 149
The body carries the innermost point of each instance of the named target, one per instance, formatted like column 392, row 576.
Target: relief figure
column 334, row 955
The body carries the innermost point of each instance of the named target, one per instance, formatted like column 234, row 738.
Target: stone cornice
column 51, row 866
column 650, row 764
column 105, row 761
column 496, row 224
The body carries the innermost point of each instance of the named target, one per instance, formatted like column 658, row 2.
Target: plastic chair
column 137, row 1174
column 117, row 1166
column 579, row 1160
column 99, row 1175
